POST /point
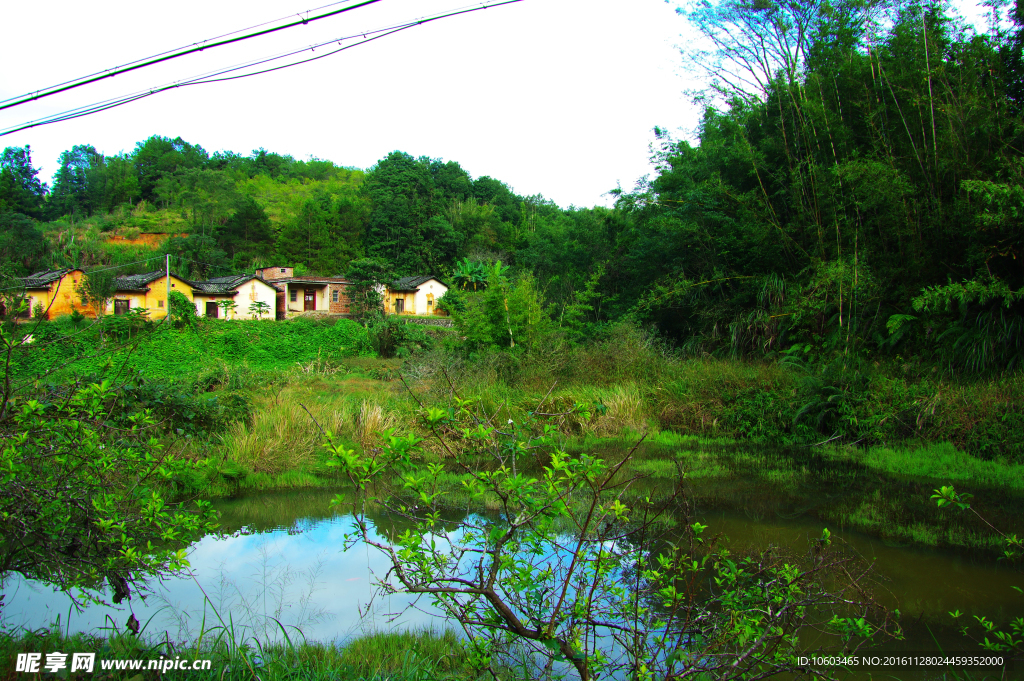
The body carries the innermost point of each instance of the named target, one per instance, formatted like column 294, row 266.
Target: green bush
column 390, row 336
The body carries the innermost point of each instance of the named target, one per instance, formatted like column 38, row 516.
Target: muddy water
column 284, row 555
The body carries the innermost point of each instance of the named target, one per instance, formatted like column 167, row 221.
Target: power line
column 102, row 269
column 125, row 264
column 160, row 54
column 133, row 66
column 216, row 76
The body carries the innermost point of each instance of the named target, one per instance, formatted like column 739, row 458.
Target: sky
column 552, row 97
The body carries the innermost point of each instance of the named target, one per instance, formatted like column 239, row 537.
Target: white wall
column 254, row 290
column 429, row 286
column 250, row 291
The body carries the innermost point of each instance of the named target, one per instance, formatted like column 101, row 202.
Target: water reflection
column 924, row 583
column 283, row 557
column 277, row 562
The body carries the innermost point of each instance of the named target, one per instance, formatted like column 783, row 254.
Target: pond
column 282, row 556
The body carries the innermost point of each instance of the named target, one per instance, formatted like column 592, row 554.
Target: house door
column 212, row 309
column 121, row 306
column 400, row 306
column 309, row 300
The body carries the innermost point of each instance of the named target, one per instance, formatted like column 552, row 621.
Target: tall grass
column 638, row 383
column 413, row 655
column 284, row 433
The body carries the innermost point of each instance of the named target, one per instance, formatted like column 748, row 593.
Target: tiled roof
column 136, row 282
column 43, row 279
column 412, row 283
column 227, row 285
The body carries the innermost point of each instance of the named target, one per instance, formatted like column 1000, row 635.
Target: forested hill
column 856, row 190
column 245, row 211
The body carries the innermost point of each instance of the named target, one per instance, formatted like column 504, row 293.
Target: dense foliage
column 84, row 476
column 852, row 199
column 857, row 192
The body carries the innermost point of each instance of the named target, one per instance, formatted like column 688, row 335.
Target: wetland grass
column 411, row 655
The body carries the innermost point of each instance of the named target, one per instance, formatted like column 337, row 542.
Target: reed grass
column 412, row 655
column 286, row 430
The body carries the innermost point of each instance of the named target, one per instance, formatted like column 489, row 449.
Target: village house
column 147, row 290
column 246, row 291
column 57, row 292
column 298, row 294
column 415, row 295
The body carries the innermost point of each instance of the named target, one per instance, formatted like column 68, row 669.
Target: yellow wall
column 61, row 297
column 416, row 301
column 153, row 300
column 409, row 298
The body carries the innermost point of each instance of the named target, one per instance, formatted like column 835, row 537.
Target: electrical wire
column 134, row 66
column 102, row 269
column 124, row 264
column 216, row 76
column 177, row 49
column 124, row 99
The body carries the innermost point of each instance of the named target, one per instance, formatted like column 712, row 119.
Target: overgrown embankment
column 254, row 398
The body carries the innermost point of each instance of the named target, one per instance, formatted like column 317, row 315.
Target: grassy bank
column 253, row 398
column 423, row 655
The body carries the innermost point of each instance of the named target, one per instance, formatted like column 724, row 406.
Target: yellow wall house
column 147, row 290
column 415, row 295
column 57, row 291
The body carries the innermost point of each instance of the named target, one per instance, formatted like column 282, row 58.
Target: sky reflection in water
column 289, row 563
column 298, row 574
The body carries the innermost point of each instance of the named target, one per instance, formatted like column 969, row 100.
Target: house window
column 283, row 270
column 159, row 303
column 334, row 296
column 293, row 295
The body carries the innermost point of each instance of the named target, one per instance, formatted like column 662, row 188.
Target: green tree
column 98, row 288
column 72, row 192
column 228, row 308
column 574, row 568
column 21, row 243
column 82, row 503
column 247, row 231
column 468, row 274
column 21, row 190
column 199, row 255
column 258, row 309
column 120, row 182
column 325, row 234
column 401, row 191
column 508, row 314
column 205, row 196
column 159, row 156
column 369, row 278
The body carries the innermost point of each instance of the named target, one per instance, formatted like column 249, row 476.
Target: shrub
column 80, row 500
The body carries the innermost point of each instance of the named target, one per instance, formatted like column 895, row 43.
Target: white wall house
column 243, row 290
